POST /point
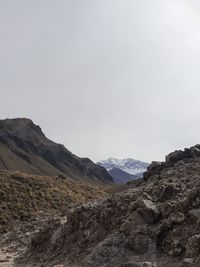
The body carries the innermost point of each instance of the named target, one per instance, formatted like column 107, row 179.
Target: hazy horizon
column 107, row 78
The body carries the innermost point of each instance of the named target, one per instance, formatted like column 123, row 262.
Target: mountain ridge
column 128, row 168
column 25, row 148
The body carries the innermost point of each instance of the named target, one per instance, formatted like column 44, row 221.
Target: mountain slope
column 124, row 170
column 24, row 197
column 24, row 147
column 121, row 177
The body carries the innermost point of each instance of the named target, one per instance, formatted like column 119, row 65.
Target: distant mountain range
column 25, row 148
column 124, row 170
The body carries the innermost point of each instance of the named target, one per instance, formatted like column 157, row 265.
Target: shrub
column 3, row 195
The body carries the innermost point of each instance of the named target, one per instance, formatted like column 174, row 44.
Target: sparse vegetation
column 23, row 196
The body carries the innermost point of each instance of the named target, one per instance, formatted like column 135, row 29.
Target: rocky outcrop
column 154, row 224
column 155, row 168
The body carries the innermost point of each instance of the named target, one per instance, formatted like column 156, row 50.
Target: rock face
column 171, row 159
column 155, row 224
column 25, row 148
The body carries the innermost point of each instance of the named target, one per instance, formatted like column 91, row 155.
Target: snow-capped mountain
column 131, row 168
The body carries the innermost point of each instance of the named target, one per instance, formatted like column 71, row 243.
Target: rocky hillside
column 154, row 224
column 124, row 170
column 25, row 148
column 24, row 197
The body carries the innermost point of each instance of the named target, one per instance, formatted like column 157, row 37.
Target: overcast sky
column 107, row 78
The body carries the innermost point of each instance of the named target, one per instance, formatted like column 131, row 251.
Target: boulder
column 148, row 210
column 195, row 151
column 142, row 244
column 154, row 168
column 177, row 156
column 188, row 261
column 167, row 192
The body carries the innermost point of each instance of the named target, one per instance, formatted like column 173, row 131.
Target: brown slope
column 24, row 147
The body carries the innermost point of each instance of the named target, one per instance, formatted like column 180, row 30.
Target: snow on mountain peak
column 128, row 165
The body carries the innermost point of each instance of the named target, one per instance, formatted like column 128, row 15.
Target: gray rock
column 195, row 213
column 137, row 264
column 167, row 192
column 148, row 210
column 188, row 261
column 193, row 246
column 177, row 156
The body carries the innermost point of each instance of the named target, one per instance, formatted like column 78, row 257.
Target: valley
column 57, row 209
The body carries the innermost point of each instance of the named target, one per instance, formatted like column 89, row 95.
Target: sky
column 106, row 78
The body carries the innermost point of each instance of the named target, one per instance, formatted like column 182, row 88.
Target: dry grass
column 23, row 196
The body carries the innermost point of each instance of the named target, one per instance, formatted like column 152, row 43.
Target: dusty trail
column 7, row 258
column 15, row 242
column 11, row 246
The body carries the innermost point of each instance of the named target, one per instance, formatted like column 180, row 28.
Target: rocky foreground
column 14, row 242
column 156, row 223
